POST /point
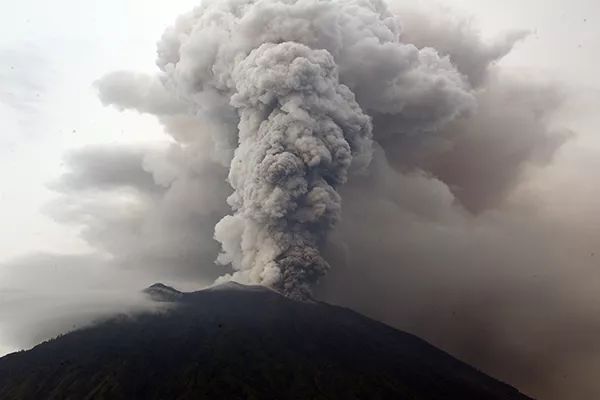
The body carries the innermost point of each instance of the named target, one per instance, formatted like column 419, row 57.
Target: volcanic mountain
column 242, row 342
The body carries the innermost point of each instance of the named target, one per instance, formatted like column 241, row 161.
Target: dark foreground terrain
column 237, row 342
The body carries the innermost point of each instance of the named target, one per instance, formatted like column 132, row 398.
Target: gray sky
column 51, row 53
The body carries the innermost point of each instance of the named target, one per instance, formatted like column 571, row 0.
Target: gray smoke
column 299, row 132
column 294, row 73
column 453, row 223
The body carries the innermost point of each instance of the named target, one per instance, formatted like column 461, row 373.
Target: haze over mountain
column 242, row 342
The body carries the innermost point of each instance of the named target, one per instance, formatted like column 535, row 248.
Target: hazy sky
column 51, row 53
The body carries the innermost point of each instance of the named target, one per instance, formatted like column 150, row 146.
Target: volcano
column 242, row 342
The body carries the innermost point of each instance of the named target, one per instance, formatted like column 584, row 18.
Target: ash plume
column 299, row 132
column 386, row 140
column 298, row 78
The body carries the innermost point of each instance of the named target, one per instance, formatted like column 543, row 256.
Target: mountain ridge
column 240, row 342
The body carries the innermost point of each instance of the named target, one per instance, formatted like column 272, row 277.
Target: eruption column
column 299, row 132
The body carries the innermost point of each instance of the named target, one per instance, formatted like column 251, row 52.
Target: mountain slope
column 237, row 342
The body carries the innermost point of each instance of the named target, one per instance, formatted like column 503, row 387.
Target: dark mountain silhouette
column 242, row 342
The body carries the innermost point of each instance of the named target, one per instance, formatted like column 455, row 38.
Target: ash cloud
column 301, row 127
column 455, row 36
column 451, row 224
column 299, row 133
column 160, row 213
column 103, row 168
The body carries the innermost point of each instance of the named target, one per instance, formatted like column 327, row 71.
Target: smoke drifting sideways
column 382, row 139
column 291, row 76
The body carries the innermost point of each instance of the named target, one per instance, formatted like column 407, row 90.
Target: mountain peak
column 238, row 341
column 163, row 293
column 231, row 285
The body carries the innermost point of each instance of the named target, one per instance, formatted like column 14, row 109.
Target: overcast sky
column 51, row 53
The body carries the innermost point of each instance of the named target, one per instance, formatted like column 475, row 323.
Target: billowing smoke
column 385, row 140
column 299, row 132
column 296, row 73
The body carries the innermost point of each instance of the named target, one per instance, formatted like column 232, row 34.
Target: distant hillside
column 239, row 342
